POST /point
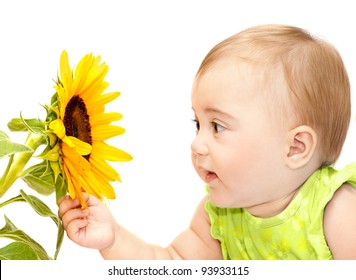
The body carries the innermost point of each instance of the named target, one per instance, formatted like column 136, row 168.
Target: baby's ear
column 301, row 146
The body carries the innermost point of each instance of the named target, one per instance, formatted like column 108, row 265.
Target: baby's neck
column 272, row 208
column 279, row 204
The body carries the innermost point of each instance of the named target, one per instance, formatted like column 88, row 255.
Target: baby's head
column 317, row 91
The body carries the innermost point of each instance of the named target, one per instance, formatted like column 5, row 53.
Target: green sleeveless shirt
column 295, row 233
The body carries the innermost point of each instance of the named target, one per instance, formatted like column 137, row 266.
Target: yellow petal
column 81, row 147
column 73, row 160
column 63, row 99
column 94, row 73
column 100, row 166
column 81, row 72
column 88, row 182
column 104, row 118
column 66, row 73
column 58, row 128
column 98, row 105
column 107, row 152
column 68, row 179
column 101, row 133
column 91, row 94
column 100, row 185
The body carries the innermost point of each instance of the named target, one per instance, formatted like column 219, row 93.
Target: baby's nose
column 199, row 146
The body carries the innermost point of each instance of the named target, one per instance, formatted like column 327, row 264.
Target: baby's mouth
column 210, row 176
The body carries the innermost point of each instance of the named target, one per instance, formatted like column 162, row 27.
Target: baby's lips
column 210, row 176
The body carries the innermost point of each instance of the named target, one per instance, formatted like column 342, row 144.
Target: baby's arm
column 96, row 228
column 340, row 223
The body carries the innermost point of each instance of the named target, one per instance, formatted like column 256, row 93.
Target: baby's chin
column 221, row 202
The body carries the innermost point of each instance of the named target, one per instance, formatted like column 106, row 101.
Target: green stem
column 17, row 163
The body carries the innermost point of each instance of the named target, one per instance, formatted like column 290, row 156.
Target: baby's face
column 239, row 150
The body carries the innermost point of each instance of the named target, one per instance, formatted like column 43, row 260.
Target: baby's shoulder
column 343, row 198
column 340, row 223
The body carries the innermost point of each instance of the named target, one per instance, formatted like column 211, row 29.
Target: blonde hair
column 318, row 84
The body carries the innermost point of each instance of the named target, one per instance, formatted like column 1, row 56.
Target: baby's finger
column 62, row 198
column 92, row 200
column 73, row 215
column 65, row 204
column 75, row 228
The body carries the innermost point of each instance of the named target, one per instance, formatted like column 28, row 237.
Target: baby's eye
column 217, row 127
column 197, row 124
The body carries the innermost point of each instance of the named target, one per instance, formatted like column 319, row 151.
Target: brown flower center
column 76, row 121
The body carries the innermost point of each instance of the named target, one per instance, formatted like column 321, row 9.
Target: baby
column 272, row 110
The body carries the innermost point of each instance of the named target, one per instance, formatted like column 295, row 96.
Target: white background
column 153, row 49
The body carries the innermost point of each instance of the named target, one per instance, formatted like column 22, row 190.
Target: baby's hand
column 93, row 227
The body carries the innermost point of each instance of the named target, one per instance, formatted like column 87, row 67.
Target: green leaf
column 39, row 206
column 42, row 209
column 52, row 110
column 17, row 251
column 18, row 198
column 9, row 148
column 60, row 236
column 40, row 178
column 32, row 125
column 16, row 124
column 12, row 232
column 61, row 188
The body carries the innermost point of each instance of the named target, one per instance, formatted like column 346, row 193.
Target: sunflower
column 82, row 126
